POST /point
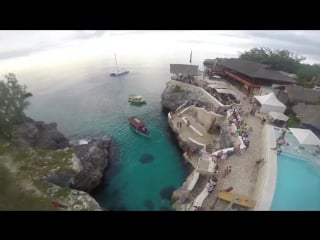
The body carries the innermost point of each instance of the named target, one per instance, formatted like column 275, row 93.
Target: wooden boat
column 138, row 126
column 136, row 99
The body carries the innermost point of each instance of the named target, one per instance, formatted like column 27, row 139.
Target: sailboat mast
column 115, row 56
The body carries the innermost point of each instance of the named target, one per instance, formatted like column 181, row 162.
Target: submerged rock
column 149, row 204
column 166, row 209
column 166, row 192
column 146, row 158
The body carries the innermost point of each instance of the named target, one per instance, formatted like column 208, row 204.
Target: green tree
column 277, row 59
column 12, row 103
column 284, row 60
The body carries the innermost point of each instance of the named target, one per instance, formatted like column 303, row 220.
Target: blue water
column 298, row 184
column 86, row 102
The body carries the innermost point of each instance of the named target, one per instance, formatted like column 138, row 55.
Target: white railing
column 196, row 142
column 200, row 198
column 195, row 130
column 225, row 150
column 194, row 180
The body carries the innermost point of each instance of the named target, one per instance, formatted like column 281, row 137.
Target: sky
column 33, row 49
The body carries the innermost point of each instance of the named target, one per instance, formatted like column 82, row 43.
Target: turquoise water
column 86, row 102
column 309, row 152
column 298, row 184
column 298, row 177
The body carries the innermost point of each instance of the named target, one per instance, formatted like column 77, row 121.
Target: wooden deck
column 243, row 201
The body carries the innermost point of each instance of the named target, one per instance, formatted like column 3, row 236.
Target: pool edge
column 268, row 175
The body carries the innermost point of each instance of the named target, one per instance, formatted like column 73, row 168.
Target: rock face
column 73, row 200
column 30, row 133
column 61, row 178
column 67, row 168
column 88, row 164
column 93, row 159
column 171, row 99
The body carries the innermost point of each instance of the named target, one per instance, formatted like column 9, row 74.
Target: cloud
column 14, row 44
column 303, row 43
column 23, row 43
column 89, row 34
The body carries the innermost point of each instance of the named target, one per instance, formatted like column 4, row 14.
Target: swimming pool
column 298, row 177
column 308, row 152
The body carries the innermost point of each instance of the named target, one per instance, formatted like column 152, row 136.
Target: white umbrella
column 278, row 116
column 305, row 136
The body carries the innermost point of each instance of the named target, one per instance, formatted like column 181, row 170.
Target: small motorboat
column 136, row 99
column 138, row 126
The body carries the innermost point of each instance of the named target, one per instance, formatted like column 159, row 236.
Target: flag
column 191, row 57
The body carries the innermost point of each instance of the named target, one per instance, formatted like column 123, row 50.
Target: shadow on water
column 146, row 158
column 165, row 209
column 114, row 168
column 186, row 166
column 119, row 206
column 166, row 192
column 149, row 204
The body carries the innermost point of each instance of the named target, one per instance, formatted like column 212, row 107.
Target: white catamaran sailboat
column 118, row 73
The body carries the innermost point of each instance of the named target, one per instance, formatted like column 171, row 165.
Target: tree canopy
column 12, row 103
column 284, row 60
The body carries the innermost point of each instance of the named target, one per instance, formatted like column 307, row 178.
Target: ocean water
column 86, row 102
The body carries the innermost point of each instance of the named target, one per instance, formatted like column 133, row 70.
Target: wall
column 267, row 178
column 206, row 118
column 195, row 89
column 264, row 90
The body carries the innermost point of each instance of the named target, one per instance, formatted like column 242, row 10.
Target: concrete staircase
column 209, row 148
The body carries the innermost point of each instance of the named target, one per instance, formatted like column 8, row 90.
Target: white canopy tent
column 270, row 103
column 305, row 136
column 278, row 116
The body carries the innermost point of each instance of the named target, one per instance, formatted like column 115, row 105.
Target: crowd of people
column 224, row 98
column 242, row 128
column 212, row 182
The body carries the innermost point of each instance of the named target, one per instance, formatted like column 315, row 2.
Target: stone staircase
column 209, row 148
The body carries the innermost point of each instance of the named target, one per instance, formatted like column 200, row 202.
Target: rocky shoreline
column 171, row 99
column 55, row 169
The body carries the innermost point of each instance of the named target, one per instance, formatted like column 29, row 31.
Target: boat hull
column 138, row 132
column 119, row 73
column 137, row 103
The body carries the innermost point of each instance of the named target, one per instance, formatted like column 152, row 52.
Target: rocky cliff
column 40, row 161
column 30, row 133
column 173, row 96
